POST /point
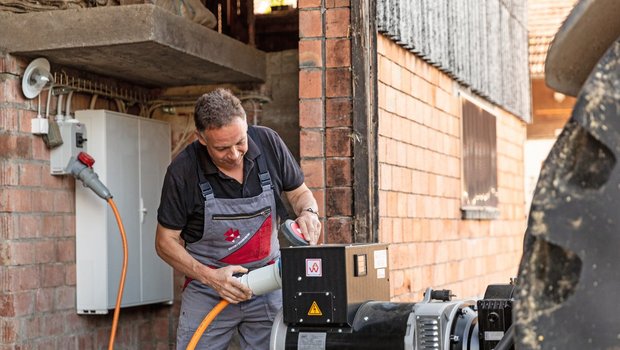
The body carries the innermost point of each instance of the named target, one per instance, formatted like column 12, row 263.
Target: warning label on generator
column 314, row 268
column 314, row 310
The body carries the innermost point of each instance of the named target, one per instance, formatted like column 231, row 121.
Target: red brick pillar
column 37, row 254
column 325, row 110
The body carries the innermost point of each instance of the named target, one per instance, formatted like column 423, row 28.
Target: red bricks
column 28, row 226
column 311, row 113
column 338, row 53
column 339, row 172
column 53, row 226
column 339, row 112
column 308, row 3
column 20, row 278
column 53, row 275
column 340, row 230
column 64, row 298
column 30, row 174
column 8, row 119
column 337, row 22
column 420, row 183
column 312, row 83
column 7, row 227
column 44, row 300
column 8, row 173
column 15, row 146
column 8, row 330
column 338, row 142
column 312, row 142
column 65, row 250
column 325, row 100
column 338, row 82
column 337, row 3
column 339, row 201
column 310, row 53
column 310, row 24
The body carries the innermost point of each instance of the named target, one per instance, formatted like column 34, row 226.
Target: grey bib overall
column 237, row 231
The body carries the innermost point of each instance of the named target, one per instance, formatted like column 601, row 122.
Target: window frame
column 481, row 208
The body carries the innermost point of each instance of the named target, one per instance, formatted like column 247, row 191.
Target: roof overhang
column 143, row 44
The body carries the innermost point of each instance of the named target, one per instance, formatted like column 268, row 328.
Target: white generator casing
column 131, row 156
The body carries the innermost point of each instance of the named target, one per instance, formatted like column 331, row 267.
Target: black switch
column 79, row 140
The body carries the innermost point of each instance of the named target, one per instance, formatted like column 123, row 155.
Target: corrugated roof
column 544, row 19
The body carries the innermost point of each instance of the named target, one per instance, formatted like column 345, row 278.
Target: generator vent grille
column 429, row 333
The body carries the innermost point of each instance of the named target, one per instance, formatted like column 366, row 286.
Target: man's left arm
column 306, row 210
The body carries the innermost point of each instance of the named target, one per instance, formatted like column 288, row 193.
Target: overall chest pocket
column 245, row 237
column 239, row 217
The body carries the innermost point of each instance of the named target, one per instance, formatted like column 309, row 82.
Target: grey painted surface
column 482, row 44
column 143, row 44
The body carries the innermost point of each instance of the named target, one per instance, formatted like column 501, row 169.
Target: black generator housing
column 325, row 285
column 495, row 314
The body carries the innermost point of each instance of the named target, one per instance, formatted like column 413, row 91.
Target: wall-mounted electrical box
column 73, row 136
column 131, row 156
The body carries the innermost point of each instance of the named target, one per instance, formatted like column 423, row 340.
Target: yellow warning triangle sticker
column 314, row 310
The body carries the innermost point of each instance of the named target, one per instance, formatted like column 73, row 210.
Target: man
column 217, row 218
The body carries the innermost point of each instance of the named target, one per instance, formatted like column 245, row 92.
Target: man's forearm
column 172, row 252
column 301, row 199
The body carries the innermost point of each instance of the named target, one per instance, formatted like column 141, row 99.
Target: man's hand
column 310, row 226
column 171, row 250
column 301, row 199
column 227, row 286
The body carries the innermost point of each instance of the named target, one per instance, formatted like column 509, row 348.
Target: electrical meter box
column 131, row 157
column 325, row 285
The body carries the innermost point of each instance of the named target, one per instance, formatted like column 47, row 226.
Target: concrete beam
column 142, row 44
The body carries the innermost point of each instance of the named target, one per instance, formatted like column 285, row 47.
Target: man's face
column 226, row 145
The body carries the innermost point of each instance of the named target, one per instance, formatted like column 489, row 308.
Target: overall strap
column 205, row 186
column 263, row 174
column 263, row 171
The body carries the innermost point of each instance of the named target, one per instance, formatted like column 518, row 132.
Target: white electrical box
column 131, row 156
column 73, row 142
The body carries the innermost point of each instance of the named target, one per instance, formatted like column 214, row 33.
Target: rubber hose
column 205, row 323
column 121, row 285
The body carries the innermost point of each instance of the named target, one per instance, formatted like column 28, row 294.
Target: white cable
column 59, row 116
column 93, row 101
column 68, row 105
column 39, row 106
column 49, row 98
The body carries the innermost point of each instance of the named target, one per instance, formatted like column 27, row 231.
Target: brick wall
column 37, row 243
column 325, row 110
column 420, row 184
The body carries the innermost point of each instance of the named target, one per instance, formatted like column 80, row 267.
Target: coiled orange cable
column 121, row 285
column 205, row 323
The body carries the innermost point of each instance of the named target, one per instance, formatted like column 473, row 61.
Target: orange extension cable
column 121, row 285
column 205, row 323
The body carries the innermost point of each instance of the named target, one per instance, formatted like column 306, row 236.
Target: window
column 479, row 197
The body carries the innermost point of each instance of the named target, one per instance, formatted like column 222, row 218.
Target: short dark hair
column 216, row 109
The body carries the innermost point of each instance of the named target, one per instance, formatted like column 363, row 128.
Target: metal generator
column 335, row 297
